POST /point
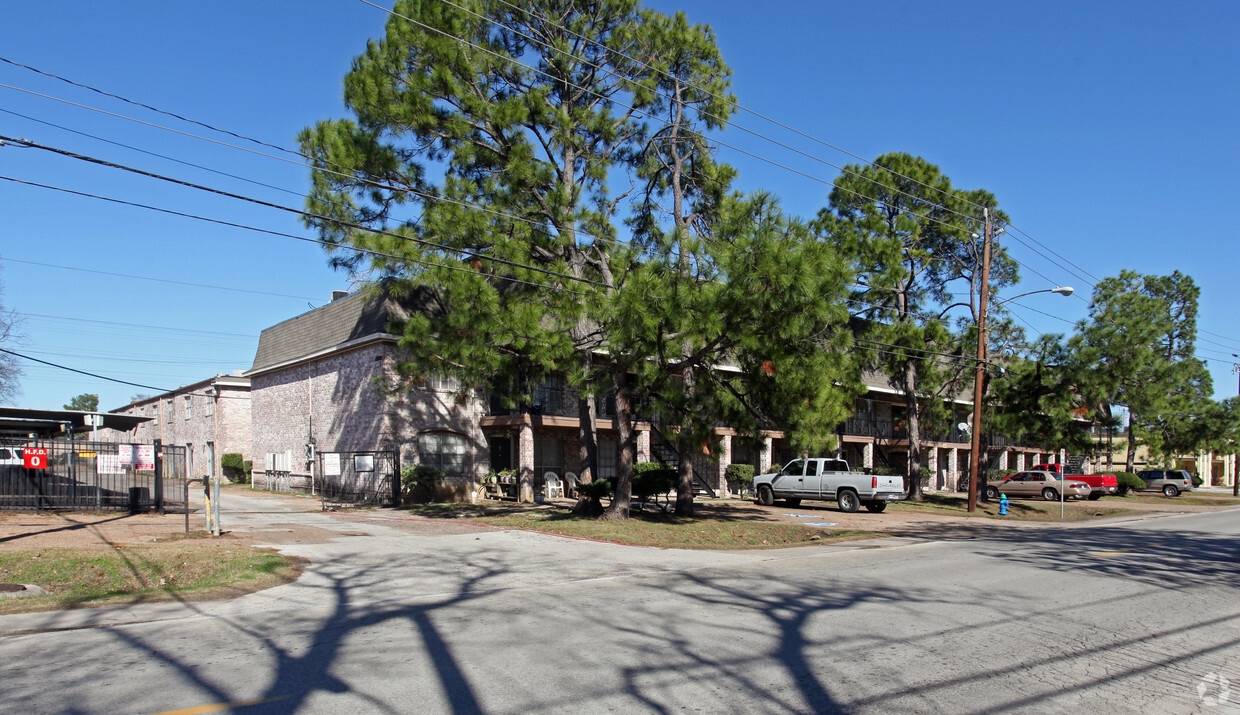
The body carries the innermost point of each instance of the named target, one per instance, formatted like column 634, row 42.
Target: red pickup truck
column 1099, row 484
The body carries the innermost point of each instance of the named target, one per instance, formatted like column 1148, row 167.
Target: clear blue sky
column 1106, row 130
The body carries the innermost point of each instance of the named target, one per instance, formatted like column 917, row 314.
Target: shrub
column 236, row 467
column 590, row 502
column 418, row 481
column 651, row 478
column 1197, row 481
column 739, row 476
column 1128, row 481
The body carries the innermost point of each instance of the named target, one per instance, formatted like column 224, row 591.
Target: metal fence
column 358, row 477
column 94, row 476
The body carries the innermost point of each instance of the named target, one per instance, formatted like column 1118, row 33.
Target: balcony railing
column 562, row 402
column 553, row 402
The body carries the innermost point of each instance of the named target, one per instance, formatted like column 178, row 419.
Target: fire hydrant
column 1003, row 504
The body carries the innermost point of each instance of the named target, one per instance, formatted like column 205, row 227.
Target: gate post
column 159, row 476
column 396, row 477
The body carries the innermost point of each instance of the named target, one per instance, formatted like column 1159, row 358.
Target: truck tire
column 848, row 501
column 1171, row 491
column 766, row 497
column 1095, row 496
column 992, row 493
column 1050, row 494
column 876, row 507
column 792, row 502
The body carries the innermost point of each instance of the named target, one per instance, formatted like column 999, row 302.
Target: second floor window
column 189, row 407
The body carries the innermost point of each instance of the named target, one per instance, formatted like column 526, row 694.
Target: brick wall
column 222, row 419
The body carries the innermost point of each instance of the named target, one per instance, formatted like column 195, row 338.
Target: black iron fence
column 358, row 477
column 92, row 476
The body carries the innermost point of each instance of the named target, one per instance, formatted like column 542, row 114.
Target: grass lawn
column 1018, row 509
column 644, row 528
column 1170, row 502
column 185, row 569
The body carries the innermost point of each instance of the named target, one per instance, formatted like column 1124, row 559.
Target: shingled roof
column 366, row 313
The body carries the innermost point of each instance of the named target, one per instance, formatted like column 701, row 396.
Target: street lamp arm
column 1061, row 290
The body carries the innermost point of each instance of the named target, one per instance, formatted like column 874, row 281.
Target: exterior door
column 811, row 483
column 501, row 452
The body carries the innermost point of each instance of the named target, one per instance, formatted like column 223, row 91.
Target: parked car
column 1099, row 484
column 1168, row 481
column 1037, row 483
column 828, row 480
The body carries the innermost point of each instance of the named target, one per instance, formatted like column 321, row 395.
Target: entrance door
column 501, row 452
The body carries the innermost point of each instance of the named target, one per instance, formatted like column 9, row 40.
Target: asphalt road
column 1140, row 616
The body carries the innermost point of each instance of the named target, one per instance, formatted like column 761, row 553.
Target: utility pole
column 1235, row 467
column 976, row 436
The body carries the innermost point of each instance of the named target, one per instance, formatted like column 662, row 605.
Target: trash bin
column 139, row 499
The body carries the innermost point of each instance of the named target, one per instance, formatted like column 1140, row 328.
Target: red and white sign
column 34, row 458
column 145, row 460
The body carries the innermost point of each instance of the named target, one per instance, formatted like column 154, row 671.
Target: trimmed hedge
column 1128, row 481
column 236, row 467
column 651, row 478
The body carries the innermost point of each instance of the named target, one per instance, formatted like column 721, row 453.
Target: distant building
column 210, row 418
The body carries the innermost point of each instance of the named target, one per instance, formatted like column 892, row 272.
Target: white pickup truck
column 827, row 480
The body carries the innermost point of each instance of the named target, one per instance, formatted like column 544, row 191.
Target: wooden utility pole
column 976, row 434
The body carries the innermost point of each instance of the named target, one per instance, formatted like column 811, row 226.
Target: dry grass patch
column 1018, row 509
column 184, row 569
column 666, row 531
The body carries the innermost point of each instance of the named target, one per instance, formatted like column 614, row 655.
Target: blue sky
column 1106, row 131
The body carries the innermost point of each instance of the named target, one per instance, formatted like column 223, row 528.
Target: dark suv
column 1168, row 481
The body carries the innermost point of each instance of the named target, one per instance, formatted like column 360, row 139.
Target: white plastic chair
column 552, row 485
column 570, row 484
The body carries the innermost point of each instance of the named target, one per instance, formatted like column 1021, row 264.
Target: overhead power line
column 299, row 212
column 221, row 222
column 728, row 122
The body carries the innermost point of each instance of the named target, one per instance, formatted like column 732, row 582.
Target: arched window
column 443, row 451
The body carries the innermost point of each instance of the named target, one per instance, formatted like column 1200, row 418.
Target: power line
column 151, row 153
column 128, row 325
column 258, row 230
column 83, row 372
column 128, row 275
column 728, row 122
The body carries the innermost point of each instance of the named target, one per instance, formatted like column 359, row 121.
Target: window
column 442, row 383
column 210, row 408
column 811, row 468
column 189, row 409
column 445, row 452
column 795, row 468
column 608, row 458
column 548, row 455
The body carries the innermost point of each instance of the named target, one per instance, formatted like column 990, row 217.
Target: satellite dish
column 964, row 427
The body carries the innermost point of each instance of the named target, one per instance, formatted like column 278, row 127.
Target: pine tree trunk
column 684, row 485
column 914, row 433
column 1132, row 445
column 622, row 498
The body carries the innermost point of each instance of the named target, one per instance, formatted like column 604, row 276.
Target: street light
column 975, row 439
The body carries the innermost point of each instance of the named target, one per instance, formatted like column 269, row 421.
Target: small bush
column 739, row 476
column 418, row 481
column 596, row 489
column 651, row 478
column 1128, row 481
column 236, row 467
column 1197, row 481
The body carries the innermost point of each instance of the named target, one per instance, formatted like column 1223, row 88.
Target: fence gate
column 93, row 476
column 350, row 478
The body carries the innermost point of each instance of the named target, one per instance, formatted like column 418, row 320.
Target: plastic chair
column 552, row 485
column 570, row 484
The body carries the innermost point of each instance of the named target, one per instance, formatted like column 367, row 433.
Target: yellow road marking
column 1124, row 551
column 217, row 707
